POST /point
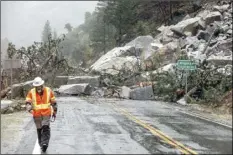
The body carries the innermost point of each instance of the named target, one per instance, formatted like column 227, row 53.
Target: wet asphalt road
column 109, row 126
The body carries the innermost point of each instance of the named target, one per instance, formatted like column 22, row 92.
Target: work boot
column 44, row 147
column 39, row 136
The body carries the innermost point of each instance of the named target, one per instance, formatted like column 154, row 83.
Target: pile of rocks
column 207, row 36
column 10, row 106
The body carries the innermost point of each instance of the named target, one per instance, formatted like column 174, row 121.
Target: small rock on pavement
column 182, row 101
column 142, row 93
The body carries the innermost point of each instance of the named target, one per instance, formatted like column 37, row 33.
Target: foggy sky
column 22, row 22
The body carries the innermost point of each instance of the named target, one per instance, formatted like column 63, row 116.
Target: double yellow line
column 168, row 140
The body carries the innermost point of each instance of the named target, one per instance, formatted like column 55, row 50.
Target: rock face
column 76, row 89
column 142, row 93
column 94, row 81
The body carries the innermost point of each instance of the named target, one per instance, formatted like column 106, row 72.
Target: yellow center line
column 167, row 139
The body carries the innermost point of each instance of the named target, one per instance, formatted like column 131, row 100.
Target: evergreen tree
column 46, row 32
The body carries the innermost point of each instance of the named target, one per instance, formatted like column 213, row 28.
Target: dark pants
column 43, row 129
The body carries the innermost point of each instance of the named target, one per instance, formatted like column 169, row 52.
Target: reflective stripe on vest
column 43, row 105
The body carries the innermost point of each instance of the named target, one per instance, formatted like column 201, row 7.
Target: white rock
column 182, row 101
column 187, row 25
column 75, row 89
column 212, row 16
column 222, row 8
column 162, row 28
column 118, row 63
column 141, row 42
column 94, row 81
column 125, row 92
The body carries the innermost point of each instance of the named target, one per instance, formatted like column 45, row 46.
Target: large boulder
column 211, row 17
column 141, row 41
column 220, row 60
column 20, row 90
column 186, row 27
column 17, row 90
column 60, row 80
column 113, row 65
column 207, row 17
column 115, row 52
column 75, row 89
column 192, row 42
column 225, row 45
column 221, row 8
column 142, row 44
column 125, row 92
column 26, row 87
column 94, row 81
column 142, row 93
column 166, row 35
column 115, row 60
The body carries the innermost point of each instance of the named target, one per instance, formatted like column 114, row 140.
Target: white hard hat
column 38, row 82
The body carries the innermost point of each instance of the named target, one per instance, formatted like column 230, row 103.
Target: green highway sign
column 186, row 65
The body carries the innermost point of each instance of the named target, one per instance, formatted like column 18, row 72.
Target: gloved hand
column 54, row 115
column 29, row 107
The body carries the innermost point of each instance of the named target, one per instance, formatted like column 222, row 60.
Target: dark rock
column 142, row 93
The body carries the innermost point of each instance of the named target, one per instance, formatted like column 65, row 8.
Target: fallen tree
column 43, row 59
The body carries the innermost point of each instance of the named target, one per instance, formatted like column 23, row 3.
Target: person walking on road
column 41, row 103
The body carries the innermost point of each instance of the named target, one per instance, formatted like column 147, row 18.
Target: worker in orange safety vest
column 41, row 103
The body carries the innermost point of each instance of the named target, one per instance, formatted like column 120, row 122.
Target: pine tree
column 46, row 32
column 54, row 34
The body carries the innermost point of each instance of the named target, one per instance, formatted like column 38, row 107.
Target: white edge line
column 36, row 149
column 195, row 115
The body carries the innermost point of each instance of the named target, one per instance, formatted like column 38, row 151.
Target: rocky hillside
column 205, row 37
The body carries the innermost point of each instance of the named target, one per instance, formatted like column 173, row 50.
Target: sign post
column 10, row 64
column 186, row 65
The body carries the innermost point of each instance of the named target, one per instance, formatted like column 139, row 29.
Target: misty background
column 23, row 21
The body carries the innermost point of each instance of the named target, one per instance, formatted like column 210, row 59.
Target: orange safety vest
column 41, row 105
